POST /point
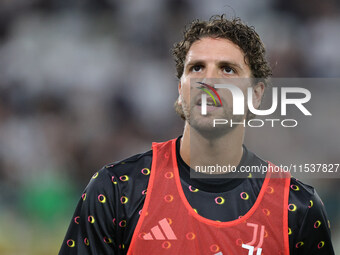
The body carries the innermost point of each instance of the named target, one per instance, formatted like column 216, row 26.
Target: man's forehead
column 215, row 49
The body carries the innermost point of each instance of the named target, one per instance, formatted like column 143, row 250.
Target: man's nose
column 210, row 76
column 212, row 72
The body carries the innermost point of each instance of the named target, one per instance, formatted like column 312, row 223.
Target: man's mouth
column 210, row 102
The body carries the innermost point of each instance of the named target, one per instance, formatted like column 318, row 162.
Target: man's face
column 209, row 59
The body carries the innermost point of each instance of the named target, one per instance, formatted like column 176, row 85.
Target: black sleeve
column 313, row 237
column 91, row 230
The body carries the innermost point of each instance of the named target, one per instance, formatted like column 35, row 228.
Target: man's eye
column 196, row 68
column 228, row 70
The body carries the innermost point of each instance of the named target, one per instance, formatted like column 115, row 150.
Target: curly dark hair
column 234, row 30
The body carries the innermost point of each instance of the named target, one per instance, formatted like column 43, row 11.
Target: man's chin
column 205, row 128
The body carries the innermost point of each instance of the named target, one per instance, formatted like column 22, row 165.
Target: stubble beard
column 204, row 124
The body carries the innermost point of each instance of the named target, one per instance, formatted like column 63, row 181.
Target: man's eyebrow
column 229, row 63
column 195, row 62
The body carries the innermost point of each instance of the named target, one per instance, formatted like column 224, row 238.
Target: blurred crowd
column 85, row 83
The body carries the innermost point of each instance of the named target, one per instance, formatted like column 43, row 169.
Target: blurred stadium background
column 84, row 83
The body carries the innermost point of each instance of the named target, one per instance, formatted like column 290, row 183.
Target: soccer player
column 148, row 204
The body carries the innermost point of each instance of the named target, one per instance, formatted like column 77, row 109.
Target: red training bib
column 169, row 225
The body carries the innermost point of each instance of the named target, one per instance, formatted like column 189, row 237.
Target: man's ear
column 258, row 91
column 179, row 100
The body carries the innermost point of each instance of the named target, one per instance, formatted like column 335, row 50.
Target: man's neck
column 226, row 150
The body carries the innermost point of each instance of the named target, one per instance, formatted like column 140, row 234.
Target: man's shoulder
column 304, row 200
column 126, row 168
column 122, row 172
column 306, row 191
column 129, row 166
column 307, row 218
column 301, row 195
